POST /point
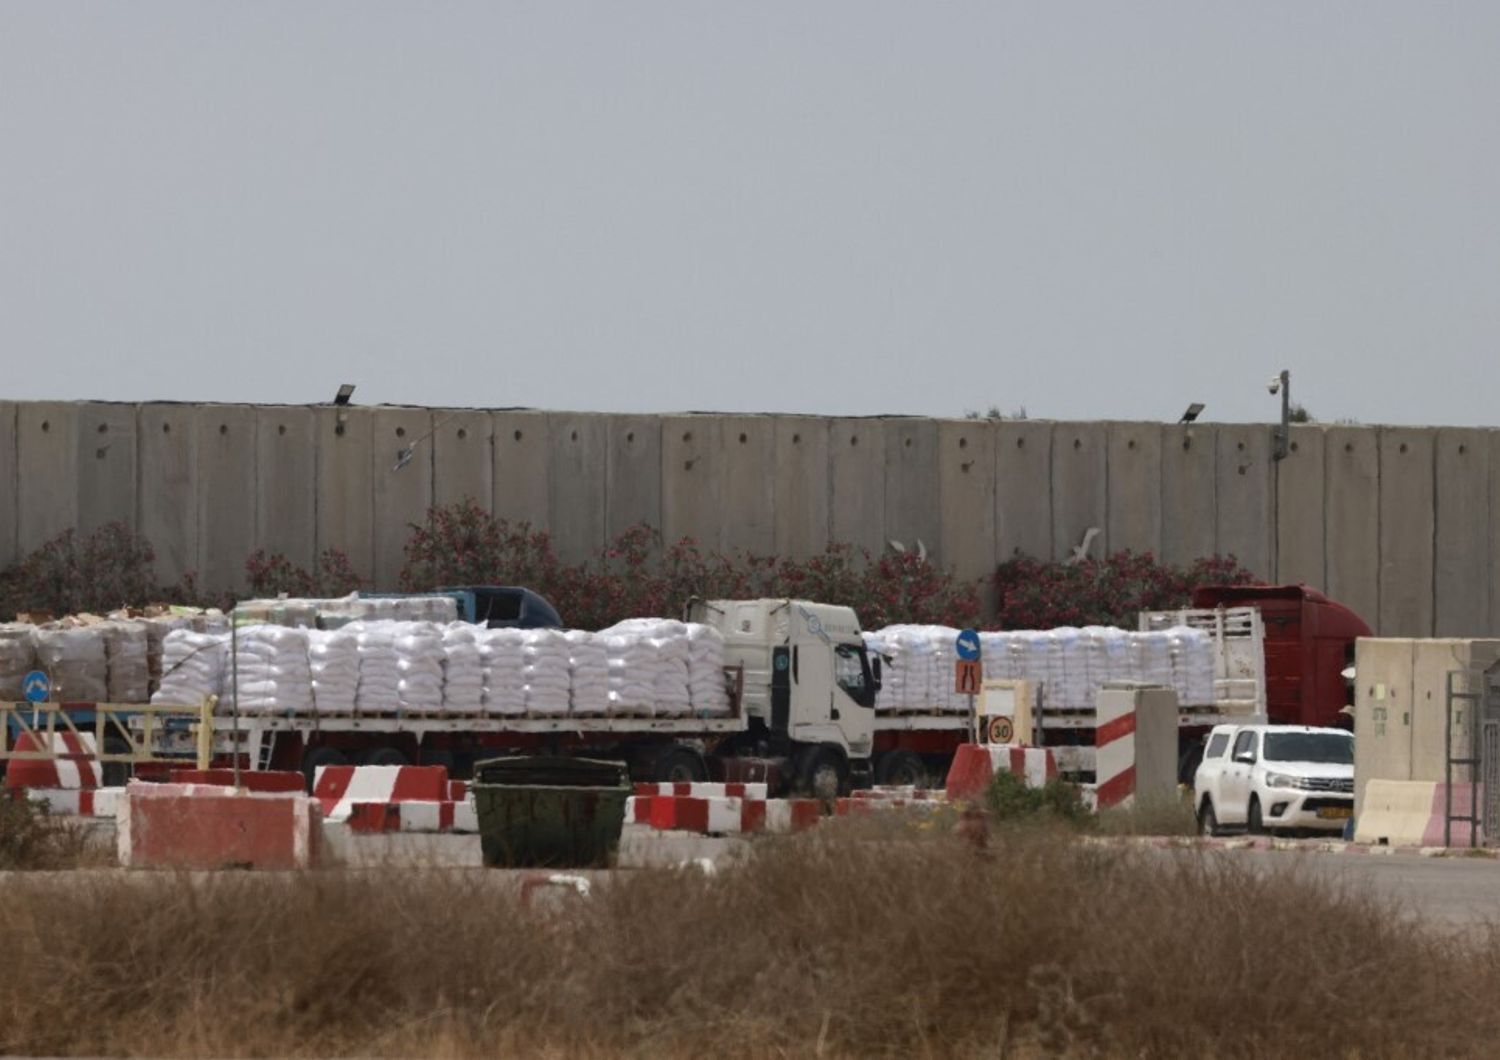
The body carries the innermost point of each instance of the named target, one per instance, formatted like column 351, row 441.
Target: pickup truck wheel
column 902, row 768
column 680, row 765
column 1253, row 823
column 1208, row 821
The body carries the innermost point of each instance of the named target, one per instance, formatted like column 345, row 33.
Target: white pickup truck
column 1274, row 777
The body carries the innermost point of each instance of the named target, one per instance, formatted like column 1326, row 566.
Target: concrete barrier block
column 286, row 482
column 800, row 487
column 1245, row 521
column 1023, row 490
column 579, row 463
column 1189, row 493
column 1462, row 558
column 1399, row 813
column 966, row 499
column 9, row 485
column 692, row 477
column 913, row 497
column 1407, row 525
column 856, row 473
column 1299, row 509
column 403, row 494
column 1135, row 487
column 168, row 481
column 107, row 470
column 1080, row 484
column 225, row 447
column 748, row 454
column 187, row 826
column 633, row 474
column 463, row 463
column 47, row 470
column 345, row 484
column 1352, row 520
column 523, row 468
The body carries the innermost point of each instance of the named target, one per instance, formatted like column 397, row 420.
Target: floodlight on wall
column 345, row 393
column 1193, row 412
column 1282, row 435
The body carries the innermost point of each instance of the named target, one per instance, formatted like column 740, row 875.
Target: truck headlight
column 1281, row 780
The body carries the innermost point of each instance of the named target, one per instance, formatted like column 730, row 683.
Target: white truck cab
column 1274, row 777
column 809, row 682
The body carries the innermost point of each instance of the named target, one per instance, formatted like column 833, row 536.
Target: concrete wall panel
column 1246, row 520
column 401, row 495
column 1023, row 490
column 912, row 511
column 1299, row 509
column 168, row 511
column 523, row 468
column 107, row 483
column 1352, row 528
column 1135, row 487
column 345, row 501
column 966, row 478
column 746, row 486
column 800, row 487
column 1493, row 444
column 46, row 456
column 1406, row 531
column 1462, row 559
column 691, row 479
column 286, row 482
column 1080, row 488
column 1189, row 493
column 463, row 465
column 579, row 460
column 10, row 484
column 856, row 469
column 225, row 442
column 633, row 474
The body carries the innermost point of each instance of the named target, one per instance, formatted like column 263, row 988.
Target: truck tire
column 680, row 765
column 902, row 769
column 824, row 774
column 1253, row 822
column 321, row 756
column 1208, row 821
column 383, row 756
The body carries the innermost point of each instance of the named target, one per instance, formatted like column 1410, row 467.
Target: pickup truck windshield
column 1309, row 747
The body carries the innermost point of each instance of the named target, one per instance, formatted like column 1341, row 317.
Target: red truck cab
column 1309, row 644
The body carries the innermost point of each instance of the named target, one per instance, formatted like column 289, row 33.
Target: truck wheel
column 321, row 756
column 824, row 774
column 902, row 769
column 1253, row 823
column 1208, row 821
column 383, row 756
column 680, row 765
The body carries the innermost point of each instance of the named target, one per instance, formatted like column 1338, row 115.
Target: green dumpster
column 550, row 811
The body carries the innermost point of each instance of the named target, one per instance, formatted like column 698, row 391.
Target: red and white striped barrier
column 75, row 802
column 412, row 816
column 1114, row 753
column 721, row 814
column 1412, row 813
column 338, row 788
column 76, row 769
column 975, row 765
column 210, row 826
column 706, row 789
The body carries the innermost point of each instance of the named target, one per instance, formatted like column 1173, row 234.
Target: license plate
column 1335, row 813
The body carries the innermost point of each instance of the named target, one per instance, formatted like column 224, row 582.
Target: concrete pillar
column 1080, row 488
column 579, row 447
column 1299, row 509
column 402, row 495
column 691, row 478
column 800, row 487
column 856, row 470
column 225, row 440
column 1352, row 524
column 523, row 468
column 1462, row 557
column 749, row 455
column 1189, row 493
column 286, row 482
column 1492, row 443
column 912, row 511
column 463, row 465
column 966, row 492
column 1246, row 521
column 632, row 495
column 167, row 438
column 1135, row 487
column 106, row 466
column 1023, row 490
column 10, row 485
column 345, row 505
column 47, row 462
column 1407, row 524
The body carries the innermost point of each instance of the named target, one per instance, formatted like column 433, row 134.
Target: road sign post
column 968, row 675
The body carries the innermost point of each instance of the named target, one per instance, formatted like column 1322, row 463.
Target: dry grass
column 870, row 937
column 1146, row 815
column 33, row 840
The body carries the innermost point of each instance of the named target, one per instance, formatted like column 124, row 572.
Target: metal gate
column 1473, row 753
column 1489, row 772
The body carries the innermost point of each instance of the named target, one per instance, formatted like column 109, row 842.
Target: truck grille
column 1345, row 787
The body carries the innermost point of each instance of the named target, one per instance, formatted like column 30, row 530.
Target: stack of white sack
column 1033, row 649
column 379, row 675
column 945, row 693
column 333, row 660
column 463, row 669
column 546, row 668
column 588, row 668
column 632, row 673
column 1110, row 658
column 1192, row 666
column 281, row 611
column 994, row 650
column 271, row 671
column 157, row 628
column 673, row 698
column 915, row 666
column 1153, row 657
column 419, row 661
column 17, row 659
column 710, row 696
column 74, row 658
column 1069, row 682
column 439, row 610
column 502, row 654
column 192, row 667
column 126, row 655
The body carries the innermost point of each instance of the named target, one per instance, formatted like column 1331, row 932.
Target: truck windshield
column 1309, row 747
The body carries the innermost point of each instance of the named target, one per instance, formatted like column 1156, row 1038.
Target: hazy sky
column 1092, row 210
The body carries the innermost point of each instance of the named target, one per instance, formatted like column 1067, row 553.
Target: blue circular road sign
column 37, row 687
column 967, row 645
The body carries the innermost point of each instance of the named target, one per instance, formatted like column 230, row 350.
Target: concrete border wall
column 1402, row 524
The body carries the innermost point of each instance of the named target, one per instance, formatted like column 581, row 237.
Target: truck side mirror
column 875, row 664
column 1246, row 758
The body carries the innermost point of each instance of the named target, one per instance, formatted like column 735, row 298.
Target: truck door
column 853, row 698
column 1234, row 785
